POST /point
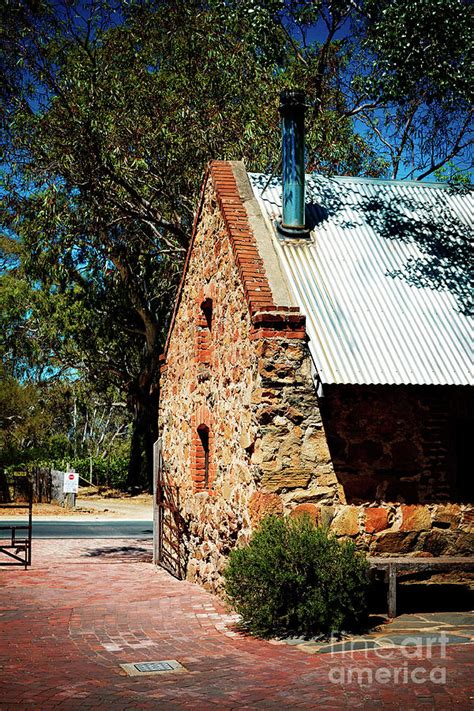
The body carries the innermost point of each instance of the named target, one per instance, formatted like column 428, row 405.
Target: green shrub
column 111, row 471
column 296, row 578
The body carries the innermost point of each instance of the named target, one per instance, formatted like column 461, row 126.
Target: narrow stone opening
column 206, row 308
column 204, row 336
column 203, row 432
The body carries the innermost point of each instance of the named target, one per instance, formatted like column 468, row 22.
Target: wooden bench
column 392, row 566
column 17, row 548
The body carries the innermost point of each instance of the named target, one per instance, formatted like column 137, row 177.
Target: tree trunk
column 144, row 434
column 4, row 488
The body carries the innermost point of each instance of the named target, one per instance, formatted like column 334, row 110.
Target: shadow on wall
column 409, row 444
column 425, row 593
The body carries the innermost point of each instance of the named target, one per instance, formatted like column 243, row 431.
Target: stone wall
column 394, row 528
column 290, row 448
column 218, row 384
column 398, row 443
column 244, row 376
column 243, row 433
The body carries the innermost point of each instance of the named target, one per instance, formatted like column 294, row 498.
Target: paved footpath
column 85, row 607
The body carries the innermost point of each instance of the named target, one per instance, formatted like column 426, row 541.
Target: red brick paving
column 87, row 606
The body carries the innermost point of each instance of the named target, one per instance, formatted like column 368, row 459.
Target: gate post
column 156, row 508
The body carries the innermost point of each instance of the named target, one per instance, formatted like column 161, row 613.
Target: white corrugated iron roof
column 384, row 279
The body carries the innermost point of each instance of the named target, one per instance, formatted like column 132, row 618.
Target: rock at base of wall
column 346, row 521
column 376, row 520
column 262, row 504
column 415, row 518
column 310, row 510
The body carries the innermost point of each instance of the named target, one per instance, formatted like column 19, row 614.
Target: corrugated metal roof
column 384, row 280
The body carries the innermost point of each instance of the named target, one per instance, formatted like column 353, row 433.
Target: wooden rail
column 18, row 549
column 392, row 566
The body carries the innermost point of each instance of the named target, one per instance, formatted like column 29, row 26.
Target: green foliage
column 23, row 423
column 110, row 471
column 416, row 68
column 113, row 108
column 55, row 422
column 423, row 47
column 449, row 173
column 295, row 578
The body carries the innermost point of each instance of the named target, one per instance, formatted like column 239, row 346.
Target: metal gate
column 168, row 524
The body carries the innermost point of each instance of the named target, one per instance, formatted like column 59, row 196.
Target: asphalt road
column 85, row 529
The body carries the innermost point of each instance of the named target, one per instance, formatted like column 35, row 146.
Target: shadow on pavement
column 130, row 554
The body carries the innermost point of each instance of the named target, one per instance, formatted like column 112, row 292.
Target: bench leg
column 392, row 591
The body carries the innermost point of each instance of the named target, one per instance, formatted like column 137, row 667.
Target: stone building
column 326, row 372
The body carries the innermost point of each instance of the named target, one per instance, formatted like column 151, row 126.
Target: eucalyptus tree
column 113, row 108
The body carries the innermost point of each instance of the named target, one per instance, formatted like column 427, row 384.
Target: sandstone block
column 246, row 439
column 192, row 570
column 325, row 476
column 265, row 415
column 268, row 348
column 447, row 516
column 306, row 510
column 376, row 519
column 468, row 520
column 226, row 490
column 394, row 542
column 346, row 521
column 415, row 518
column 264, row 395
column 326, row 515
column 262, row 504
column 274, row 480
column 314, row 447
column 294, row 351
column 295, row 415
column 454, row 543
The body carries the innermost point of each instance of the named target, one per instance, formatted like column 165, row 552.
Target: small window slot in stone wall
column 203, row 433
column 206, row 308
column 204, row 328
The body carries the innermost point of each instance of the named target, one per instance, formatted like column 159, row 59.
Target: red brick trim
column 244, row 246
column 202, row 418
column 299, row 334
column 278, row 324
column 251, row 268
column 268, row 319
column 203, row 344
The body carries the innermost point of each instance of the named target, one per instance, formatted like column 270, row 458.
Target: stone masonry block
column 262, row 504
column 306, row 509
column 447, row 516
column 415, row 518
column 346, row 521
column 376, row 519
column 276, row 480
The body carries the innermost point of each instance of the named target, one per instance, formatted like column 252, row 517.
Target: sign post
column 70, row 488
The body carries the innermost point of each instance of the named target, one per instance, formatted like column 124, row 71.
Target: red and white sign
column 71, row 483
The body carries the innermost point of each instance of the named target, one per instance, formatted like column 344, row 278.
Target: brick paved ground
column 84, row 608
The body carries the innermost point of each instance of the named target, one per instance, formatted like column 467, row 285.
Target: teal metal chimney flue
column 292, row 108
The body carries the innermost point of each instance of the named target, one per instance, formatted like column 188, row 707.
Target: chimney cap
column 292, row 99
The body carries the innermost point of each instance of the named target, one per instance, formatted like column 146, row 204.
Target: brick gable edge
column 268, row 319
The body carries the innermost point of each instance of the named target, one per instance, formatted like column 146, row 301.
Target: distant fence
column 47, row 486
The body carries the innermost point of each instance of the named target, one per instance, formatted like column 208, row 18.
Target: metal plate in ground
column 164, row 666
